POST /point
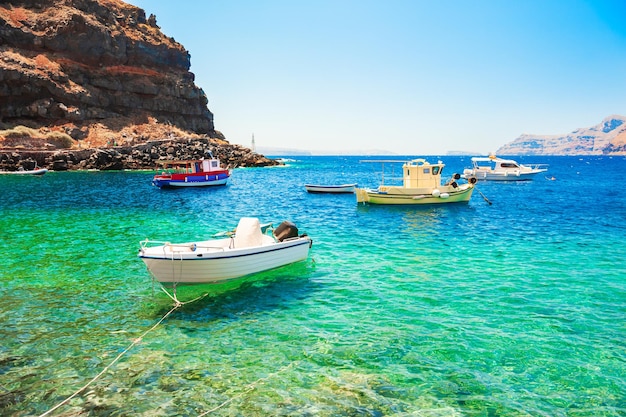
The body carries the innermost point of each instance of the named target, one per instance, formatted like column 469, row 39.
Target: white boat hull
column 501, row 176
column 213, row 261
column 332, row 189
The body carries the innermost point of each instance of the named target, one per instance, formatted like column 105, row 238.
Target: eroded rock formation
column 70, row 64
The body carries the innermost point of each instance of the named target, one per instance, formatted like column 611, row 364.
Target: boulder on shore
column 141, row 156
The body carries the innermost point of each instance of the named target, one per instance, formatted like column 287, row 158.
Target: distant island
column 462, row 153
column 303, row 152
column 606, row 138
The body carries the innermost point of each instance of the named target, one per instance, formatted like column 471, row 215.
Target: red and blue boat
column 190, row 173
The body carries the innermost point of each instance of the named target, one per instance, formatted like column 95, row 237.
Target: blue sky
column 415, row 77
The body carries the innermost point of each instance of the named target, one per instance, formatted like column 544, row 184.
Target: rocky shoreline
column 135, row 157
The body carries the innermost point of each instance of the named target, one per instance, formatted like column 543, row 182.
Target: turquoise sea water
column 517, row 308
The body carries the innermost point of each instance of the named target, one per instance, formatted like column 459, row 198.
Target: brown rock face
column 75, row 66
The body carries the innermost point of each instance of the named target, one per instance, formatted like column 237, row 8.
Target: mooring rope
column 177, row 304
column 175, row 299
column 486, row 199
column 248, row 388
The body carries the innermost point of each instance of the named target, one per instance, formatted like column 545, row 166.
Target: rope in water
column 486, row 199
column 250, row 386
column 177, row 304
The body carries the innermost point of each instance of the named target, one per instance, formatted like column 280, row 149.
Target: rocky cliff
column 77, row 74
column 70, row 65
column 606, row 138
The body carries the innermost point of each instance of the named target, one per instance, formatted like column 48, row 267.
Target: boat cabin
column 192, row 167
column 418, row 173
column 495, row 164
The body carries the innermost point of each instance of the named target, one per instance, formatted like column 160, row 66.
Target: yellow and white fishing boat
column 421, row 184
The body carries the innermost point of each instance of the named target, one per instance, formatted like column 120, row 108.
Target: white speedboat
column 332, row 189
column 493, row 168
column 421, row 184
column 245, row 251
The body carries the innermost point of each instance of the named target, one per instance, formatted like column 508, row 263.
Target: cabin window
column 508, row 165
column 426, row 170
column 436, row 170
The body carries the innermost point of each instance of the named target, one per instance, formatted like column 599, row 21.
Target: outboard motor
column 285, row 230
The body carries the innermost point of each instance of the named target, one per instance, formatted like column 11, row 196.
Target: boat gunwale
column 331, row 186
column 331, row 189
column 227, row 253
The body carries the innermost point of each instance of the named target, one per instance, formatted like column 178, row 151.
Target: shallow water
column 510, row 309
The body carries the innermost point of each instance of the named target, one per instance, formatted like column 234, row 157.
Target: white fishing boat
column 493, row 168
column 421, row 184
column 332, row 189
column 245, row 251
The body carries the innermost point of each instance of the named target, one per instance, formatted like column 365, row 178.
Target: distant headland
column 605, row 138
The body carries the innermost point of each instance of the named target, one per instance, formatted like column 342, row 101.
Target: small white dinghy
column 246, row 251
column 36, row 171
column 332, row 189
